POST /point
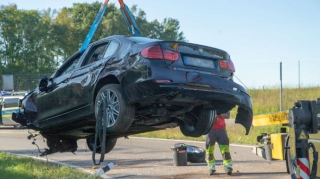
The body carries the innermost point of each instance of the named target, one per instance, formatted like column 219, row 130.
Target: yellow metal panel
column 277, row 143
column 317, row 145
column 315, row 136
column 271, row 119
column 292, row 142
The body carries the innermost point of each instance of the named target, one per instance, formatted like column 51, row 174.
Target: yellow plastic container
column 277, row 144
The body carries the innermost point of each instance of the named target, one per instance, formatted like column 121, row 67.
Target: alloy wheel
column 108, row 107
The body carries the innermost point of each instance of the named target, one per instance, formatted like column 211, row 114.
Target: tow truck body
column 298, row 139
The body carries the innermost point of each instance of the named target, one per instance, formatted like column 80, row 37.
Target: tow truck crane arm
column 127, row 15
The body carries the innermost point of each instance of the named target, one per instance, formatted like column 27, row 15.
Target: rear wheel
column 110, row 143
column 111, row 107
column 198, row 126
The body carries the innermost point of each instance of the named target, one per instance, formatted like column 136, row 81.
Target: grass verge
column 14, row 167
column 236, row 134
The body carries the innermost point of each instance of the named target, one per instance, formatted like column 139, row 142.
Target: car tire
column 195, row 154
column 201, row 126
column 110, row 143
column 118, row 112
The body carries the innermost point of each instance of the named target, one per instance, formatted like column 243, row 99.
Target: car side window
column 69, row 66
column 112, row 48
column 96, row 54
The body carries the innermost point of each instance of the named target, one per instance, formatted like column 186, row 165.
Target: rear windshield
column 143, row 40
column 11, row 103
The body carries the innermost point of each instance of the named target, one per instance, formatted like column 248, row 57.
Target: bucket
column 179, row 154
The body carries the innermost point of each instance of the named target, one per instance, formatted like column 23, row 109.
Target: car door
column 83, row 80
column 51, row 103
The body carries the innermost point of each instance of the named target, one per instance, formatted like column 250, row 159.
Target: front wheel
column 200, row 125
column 112, row 108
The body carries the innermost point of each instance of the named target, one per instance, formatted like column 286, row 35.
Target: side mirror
column 43, row 85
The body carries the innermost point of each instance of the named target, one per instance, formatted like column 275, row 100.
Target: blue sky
column 257, row 34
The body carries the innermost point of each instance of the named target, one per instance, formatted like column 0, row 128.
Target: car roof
column 140, row 40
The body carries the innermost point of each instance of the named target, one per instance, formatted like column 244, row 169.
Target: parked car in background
column 130, row 85
column 9, row 104
column 5, row 93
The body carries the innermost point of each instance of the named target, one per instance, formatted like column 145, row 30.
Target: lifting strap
column 94, row 26
column 129, row 19
column 101, row 121
column 127, row 15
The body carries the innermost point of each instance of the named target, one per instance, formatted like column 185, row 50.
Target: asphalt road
column 140, row 158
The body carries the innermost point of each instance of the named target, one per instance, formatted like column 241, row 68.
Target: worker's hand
column 226, row 115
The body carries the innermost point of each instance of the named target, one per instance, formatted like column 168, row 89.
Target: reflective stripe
column 210, row 157
column 212, row 165
column 227, row 164
column 304, row 168
column 227, row 161
column 210, row 150
column 224, row 148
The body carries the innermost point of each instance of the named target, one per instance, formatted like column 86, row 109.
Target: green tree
column 72, row 25
column 26, row 45
column 166, row 30
column 25, row 42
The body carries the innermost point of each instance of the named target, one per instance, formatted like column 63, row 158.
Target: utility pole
column 280, row 86
column 299, row 73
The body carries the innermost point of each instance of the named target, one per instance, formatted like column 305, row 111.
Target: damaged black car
column 122, row 86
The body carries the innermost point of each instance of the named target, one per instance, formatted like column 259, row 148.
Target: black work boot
column 212, row 171
column 228, row 170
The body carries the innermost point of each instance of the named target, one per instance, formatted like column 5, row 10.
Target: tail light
column 227, row 64
column 155, row 52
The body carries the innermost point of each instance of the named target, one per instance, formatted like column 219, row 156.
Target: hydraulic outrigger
column 133, row 28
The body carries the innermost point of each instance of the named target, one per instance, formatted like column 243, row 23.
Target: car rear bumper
column 222, row 97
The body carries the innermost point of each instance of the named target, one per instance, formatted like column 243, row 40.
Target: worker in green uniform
column 218, row 134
